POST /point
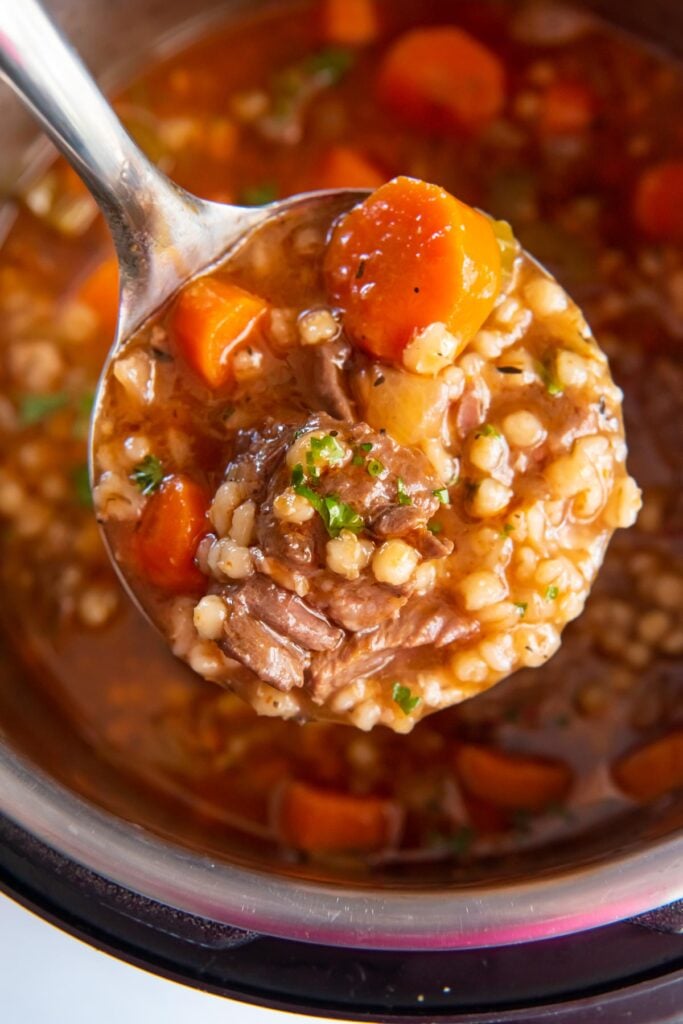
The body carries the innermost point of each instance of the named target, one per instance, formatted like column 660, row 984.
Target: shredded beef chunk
column 261, row 649
column 319, row 371
column 333, row 629
column 288, row 615
column 430, row 621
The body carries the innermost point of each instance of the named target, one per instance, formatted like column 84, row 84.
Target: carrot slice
column 350, row 22
column 100, row 291
column 567, row 108
column 440, row 79
column 510, row 780
column 209, row 320
column 173, row 522
column 319, row 820
column 652, row 770
column 346, row 167
column 658, row 201
column 411, row 255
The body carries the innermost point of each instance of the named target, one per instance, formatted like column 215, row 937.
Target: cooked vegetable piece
column 350, row 22
column 100, row 291
column 567, row 108
column 441, row 79
column 320, row 820
column 173, row 522
column 658, row 201
column 408, row 256
column 208, row 322
column 652, row 770
column 347, row 167
column 510, row 780
column 409, row 407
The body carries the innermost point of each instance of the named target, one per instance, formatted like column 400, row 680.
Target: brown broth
column 568, row 198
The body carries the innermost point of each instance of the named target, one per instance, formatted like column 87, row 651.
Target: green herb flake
column 488, row 430
column 366, row 446
column 521, row 607
column 442, row 495
column 402, row 495
column 34, row 408
column 311, row 467
column 259, row 195
column 335, row 513
column 435, row 527
column 403, row 697
column 551, row 593
column 461, row 841
column 357, row 459
column 297, row 475
column 327, row 448
column 80, row 479
column 375, row 467
column 148, row 474
column 332, row 64
column 506, row 529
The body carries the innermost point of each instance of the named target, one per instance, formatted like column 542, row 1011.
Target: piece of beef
column 261, row 649
column 319, row 372
column 356, row 605
column 429, row 621
column 287, row 614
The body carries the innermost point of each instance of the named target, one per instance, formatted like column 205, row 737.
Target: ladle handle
column 155, row 224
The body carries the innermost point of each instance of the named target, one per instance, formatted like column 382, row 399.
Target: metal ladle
column 163, row 235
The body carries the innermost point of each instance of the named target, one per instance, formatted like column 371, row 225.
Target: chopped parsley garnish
column 300, row 433
column 401, row 493
column 298, row 475
column 551, row 593
column 521, row 607
column 81, row 484
column 366, row 446
column 357, row 459
column 148, row 474
column 509, row 369
column 435, row 527
column 375, row 467
column 332, row 63
column 327, row 448
column 34, row 408
column 311, row 467
column 259, row 195
column 442, row 495
column 335, row 513
column 488, row 430
column 403, row 697
column 507, row 529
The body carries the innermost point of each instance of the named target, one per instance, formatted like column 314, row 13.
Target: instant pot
column 591, row 928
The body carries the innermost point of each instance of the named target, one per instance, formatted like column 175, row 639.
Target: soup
column 577, row 155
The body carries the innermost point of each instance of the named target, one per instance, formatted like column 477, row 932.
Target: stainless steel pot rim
column 548, row 905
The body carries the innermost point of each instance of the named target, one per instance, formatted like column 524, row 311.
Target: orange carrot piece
column 411, row 255
column 509, row 780
column 440, row 79
column 652, row 770
column 567, row 108
column 173, row 522
column 658, row 201
column 209, row 320
column 349, row 22
column 346, row 167
column 100, row 291
column 319, row 820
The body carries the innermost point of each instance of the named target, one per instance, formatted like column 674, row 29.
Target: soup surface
column 578, row 146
